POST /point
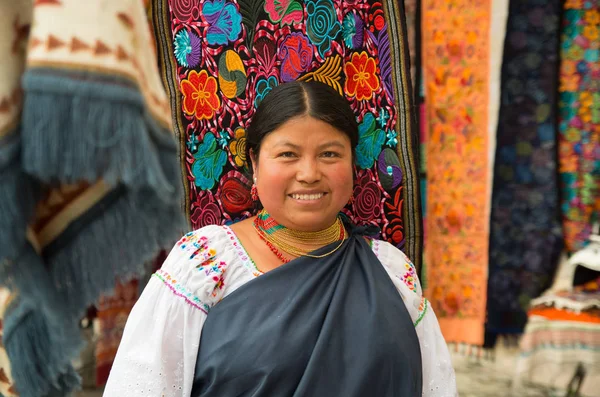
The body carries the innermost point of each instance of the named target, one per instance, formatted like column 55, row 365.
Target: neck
column 274, row 226
column 294, row 242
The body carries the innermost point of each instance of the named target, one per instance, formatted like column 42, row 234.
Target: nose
column 308, row 171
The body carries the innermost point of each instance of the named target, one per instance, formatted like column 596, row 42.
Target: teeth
column 307, row 196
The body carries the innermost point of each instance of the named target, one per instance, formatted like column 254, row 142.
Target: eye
column 287, row 154
column 330, row 154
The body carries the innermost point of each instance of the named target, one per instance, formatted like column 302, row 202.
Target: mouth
column 307, row 197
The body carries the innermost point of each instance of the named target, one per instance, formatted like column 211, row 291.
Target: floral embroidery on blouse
column 241, row 251
column 206, row 257
column 410, row 277
column 200, row 243
column 179, row 290
column 422, row 310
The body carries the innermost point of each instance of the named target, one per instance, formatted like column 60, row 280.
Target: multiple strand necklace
column 297, row 243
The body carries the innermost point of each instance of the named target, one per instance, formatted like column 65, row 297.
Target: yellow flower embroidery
column 237, row 147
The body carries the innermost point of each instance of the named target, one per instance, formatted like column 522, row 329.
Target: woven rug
column 234, row 52
column 579, row 124
column 525, row 231
column 456, row 63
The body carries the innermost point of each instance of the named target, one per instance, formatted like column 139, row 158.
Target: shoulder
column 397, row 264
column 404, row 276
column 201, row 263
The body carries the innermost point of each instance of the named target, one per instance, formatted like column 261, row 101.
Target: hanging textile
column 112, row 311
column 7, row 388
column 112, row 314
column 579, row 124
column 233, row 52
column 456, row 70
column 524, row 231
column 412, row 26
column 89, row 181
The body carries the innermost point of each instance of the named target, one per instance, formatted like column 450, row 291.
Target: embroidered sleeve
column 158, row 350
column 439, row 379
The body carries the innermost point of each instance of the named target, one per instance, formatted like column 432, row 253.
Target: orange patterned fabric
column 456, row 61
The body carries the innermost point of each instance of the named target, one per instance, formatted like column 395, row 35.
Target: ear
column 254, row 160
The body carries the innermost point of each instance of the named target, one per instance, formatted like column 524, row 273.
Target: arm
column 439, row 379
column 158, row 350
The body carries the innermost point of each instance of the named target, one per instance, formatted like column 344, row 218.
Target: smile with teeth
column 307, row 197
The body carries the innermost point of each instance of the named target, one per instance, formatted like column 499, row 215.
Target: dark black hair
column 296, row 99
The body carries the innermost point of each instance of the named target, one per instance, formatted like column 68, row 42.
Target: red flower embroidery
column 361, row 76
column 200, row 97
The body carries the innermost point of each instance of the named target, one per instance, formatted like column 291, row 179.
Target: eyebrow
column 320, row 147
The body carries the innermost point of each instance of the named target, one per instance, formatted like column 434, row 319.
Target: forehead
column 305, row 132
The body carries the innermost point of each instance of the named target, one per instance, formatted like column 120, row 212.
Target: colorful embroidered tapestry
column 221, row 57
column 89, row 187
column 579, row 138
column 456, row 69
column 524, row 232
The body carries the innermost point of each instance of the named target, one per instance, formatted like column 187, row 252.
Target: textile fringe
column 505, row 343
column 87, row 126
column 79, row 273
column 18, row 195
column 132, row 228
column 32, row 336
column 28, row 278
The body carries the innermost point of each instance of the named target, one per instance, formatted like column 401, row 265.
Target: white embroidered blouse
column 158, row 350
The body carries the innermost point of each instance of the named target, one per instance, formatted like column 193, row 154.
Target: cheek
column 341, row 178
column 273, row 178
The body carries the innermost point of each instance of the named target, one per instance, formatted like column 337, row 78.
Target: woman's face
column 304, row 173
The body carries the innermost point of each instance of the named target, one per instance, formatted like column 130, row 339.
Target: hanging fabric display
column 221, row 57
column 525, row 233
column 579, row 125
column 112, row 314
column 456, row 71
column 412, row 26
column 89, row 180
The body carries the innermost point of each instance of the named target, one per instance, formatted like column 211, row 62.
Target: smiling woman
column 301, row 149
column 260, row 308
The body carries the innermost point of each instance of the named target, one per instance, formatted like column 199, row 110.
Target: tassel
column 132, row 228
column 18, row 195
column 85, row 127
column 30, row 336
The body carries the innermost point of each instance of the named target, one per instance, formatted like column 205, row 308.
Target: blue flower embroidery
column 192, row 143
column 353, row 31
column 209, row 162
column 187, row 49
column 223, row 139
column 370, row 141
column 322, row 25
column 263, row 87
column 392, row 138
column 225, row 22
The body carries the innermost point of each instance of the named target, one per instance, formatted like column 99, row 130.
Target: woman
column 295, row 301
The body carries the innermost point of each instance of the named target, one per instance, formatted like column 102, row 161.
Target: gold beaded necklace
column 279, row 238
